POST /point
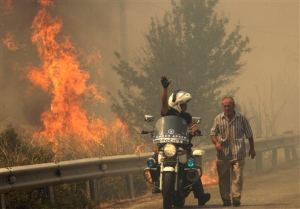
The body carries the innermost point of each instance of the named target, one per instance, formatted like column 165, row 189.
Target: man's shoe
column 226, row 203
column 155, row 188
column 203, row 199
column 236, row 203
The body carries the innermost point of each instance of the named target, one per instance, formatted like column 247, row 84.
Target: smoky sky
column 270, row 72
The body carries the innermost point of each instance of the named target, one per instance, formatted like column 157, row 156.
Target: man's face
column 183, row 107
column 228, row 107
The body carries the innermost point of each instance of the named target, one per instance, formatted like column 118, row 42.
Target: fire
column 9, row 42
column 120, row 126
column 210, row 175
column 60, row 76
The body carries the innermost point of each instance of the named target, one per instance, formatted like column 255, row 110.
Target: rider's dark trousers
column 198, row 189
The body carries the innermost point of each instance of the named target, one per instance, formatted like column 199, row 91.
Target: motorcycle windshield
column 171, row 129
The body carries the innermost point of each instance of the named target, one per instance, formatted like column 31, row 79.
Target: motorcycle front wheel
column 179, row 201
column 168, row 189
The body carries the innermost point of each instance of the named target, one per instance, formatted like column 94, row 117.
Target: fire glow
column 60, row 76
column 9, row 42
column 210, row 176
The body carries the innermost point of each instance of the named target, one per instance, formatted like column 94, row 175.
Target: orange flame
column 9, row 42
column 210, row 175
column 120, row 126
column 60, row 75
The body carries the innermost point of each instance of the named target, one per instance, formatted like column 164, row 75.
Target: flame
column 210, row 175
column 9, row 42
column 60, row 75
column 120, row 126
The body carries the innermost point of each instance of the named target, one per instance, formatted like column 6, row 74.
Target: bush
column 18, row 149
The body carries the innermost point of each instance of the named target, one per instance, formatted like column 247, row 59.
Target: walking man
column 227, row 134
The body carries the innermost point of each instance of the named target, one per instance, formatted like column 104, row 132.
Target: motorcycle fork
column 176, row 176
column 161, row 176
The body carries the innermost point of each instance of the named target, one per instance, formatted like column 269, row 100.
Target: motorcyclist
column 176, row 104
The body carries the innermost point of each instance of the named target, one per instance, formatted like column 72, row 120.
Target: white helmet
column 177, row 98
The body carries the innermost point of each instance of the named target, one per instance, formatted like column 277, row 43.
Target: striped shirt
column 231, row 135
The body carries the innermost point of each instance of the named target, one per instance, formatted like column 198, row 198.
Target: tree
column 192, row 47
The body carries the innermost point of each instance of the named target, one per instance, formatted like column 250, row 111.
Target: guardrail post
column 88, row 189
column 3, row 205
column 294, row 153
column 258, row 161
column 93, row 189
column 274, row 158
column 51, row 195
column 130, row 185
column 287, row 154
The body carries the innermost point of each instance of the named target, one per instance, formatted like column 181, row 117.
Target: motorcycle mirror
column 149, row 118
column 196, row 120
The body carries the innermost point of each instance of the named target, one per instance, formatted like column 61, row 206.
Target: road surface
column 278, row 189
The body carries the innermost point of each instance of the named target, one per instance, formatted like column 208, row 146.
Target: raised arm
column 164, row 98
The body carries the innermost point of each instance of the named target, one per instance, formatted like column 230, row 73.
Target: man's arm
column 215, row 141
column 164, row 101
column 249, row 135
column 251, row 150
column 214, row 135
column 164, row 98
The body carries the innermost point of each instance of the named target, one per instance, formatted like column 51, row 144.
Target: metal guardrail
column 262, row 144
column 50, row 174
column 33, row 176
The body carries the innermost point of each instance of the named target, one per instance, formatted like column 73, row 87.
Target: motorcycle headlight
column 169, row 150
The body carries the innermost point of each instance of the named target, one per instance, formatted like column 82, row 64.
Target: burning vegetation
column 66, row 121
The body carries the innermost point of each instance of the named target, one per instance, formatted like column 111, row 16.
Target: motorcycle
column 174, row 168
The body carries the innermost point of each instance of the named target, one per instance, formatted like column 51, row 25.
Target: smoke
column 270, row 75
column 16, row 101
column 269, row 83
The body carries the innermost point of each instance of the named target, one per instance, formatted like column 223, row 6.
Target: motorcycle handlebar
column 146, row 132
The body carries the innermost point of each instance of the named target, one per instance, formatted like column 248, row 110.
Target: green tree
column 192, row 46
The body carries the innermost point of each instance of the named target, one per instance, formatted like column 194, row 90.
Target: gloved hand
column 195, row 130
column 165, row 82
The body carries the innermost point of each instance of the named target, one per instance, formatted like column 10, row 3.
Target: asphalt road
column 275, row 190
